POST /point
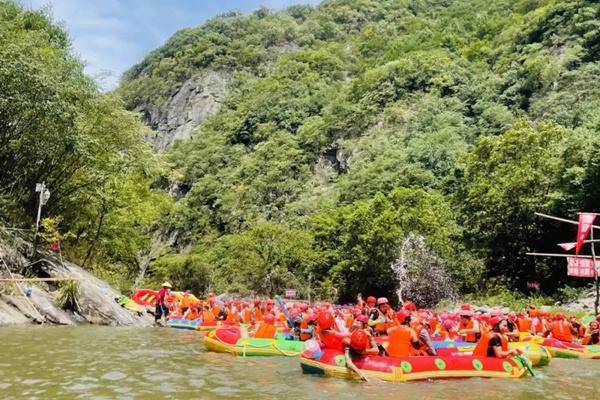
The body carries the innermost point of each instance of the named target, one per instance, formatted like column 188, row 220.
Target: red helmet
column 303, row 306
column 410, row 306
column 269, row 319
column 371, row 299
column 362, row 318
column 270, row 301
column 256, row 302
column 325, row 320
column 311, row 318
column 382, row 300
column 559, row 316
column 359, row 340
column 465, row 307
column 448, row 324
column 401, row 316
column 512, row 316
column 495, row 321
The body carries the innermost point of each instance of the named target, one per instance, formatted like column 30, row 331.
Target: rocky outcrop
column 197, row 99
column 35, row 302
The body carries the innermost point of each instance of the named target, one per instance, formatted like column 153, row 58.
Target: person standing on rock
column 161, row 304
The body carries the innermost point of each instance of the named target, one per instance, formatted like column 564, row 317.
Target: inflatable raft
column 229, row 340
column 332, row 363
column 561, row 349
column 191, row 324
column 145, row 297
column 536, row 353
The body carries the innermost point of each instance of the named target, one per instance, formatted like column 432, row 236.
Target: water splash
column 421, row 275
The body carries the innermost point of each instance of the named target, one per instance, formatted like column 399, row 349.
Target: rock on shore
column 96, row 299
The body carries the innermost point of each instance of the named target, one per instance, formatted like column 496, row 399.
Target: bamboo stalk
column 562, row 219
column 39, row 279
column 556, row 255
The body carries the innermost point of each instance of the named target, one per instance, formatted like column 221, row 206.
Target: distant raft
column 331, row 362
column 561, row 349
column 229, row 340
column 178, row 322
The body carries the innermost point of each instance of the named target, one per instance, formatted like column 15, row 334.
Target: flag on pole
column 583, row 229
column 568, row 246
column 582, row 267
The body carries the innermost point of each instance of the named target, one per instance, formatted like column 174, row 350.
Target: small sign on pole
column 290, row 293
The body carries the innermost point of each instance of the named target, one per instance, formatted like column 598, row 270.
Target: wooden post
column 595, row 272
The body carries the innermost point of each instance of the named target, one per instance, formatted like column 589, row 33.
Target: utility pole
column 44, row 196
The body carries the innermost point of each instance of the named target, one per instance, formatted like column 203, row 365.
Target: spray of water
column 421, row 275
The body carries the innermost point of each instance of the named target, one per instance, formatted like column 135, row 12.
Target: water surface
column 159, row 363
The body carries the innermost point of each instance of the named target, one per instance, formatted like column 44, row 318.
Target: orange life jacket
column 538, row 327
column 561, row 330
column 481, row 348
column 399, row 345
column 524, row 324
column 258, row 315
column 303, row 326
column 247, row 315
column 381, row 327
column 192, row 314
column 208, row 316
column 265, row 331
column 348, row 322
column 216, row 311
column 185, row 302
column 472, row 336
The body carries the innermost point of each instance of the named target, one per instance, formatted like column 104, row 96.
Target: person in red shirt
column 161, row 305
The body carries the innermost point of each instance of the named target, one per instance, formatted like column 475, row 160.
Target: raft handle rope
column 245, row 346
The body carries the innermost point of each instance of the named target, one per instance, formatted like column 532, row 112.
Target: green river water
column 155, row 363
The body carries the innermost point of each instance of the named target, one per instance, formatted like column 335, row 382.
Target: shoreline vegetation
column 297, row 149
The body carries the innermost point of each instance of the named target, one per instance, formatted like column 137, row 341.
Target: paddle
column 285, row 312
column 526, row 363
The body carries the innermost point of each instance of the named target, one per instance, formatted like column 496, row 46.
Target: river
column 95, row 362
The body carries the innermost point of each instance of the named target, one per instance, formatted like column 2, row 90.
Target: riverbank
column 36, row 300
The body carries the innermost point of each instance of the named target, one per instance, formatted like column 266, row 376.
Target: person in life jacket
column 592, row 334
column 185, row 303
column 495, row 343
column 327, row 335
column 561, row 329
column 403, row 340
column 577, row 326
column 307, row 327
column 537, row 324
column 468, row 327
column 513, row 328
column 448, row 331
column 193, row 312
column 266, row 329
column 371, row 304
column 379, row 317
column 359, row 343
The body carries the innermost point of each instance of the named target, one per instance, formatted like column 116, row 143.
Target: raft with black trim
column 229, row 340
column 333, row 363
column 537, row 354
column 561, row 349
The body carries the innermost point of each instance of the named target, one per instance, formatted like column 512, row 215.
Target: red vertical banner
column 583, row 229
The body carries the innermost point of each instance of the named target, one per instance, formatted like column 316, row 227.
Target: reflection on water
column 108, row 363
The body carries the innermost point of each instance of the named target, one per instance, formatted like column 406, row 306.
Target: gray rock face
column 195, row 101
column 96, row 298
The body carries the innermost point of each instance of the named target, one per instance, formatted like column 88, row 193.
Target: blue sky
column 112, row 35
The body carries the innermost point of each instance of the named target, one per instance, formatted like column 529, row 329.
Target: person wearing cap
column 495, row 343
column 468, row 327
column 161, row 303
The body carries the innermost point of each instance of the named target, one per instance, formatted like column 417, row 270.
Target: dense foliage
column 57, row 128
column 348, row 127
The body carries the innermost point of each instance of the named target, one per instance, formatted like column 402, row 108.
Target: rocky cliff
column 192, row 103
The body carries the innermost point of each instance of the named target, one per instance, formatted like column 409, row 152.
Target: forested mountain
column 316, row 141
